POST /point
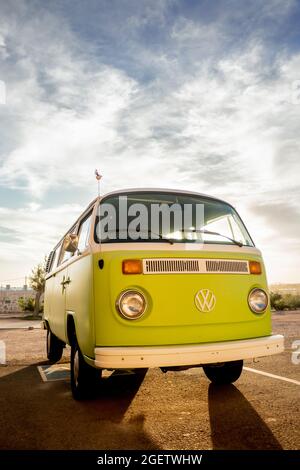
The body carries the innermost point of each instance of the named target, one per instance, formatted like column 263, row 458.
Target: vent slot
column 227, row 266
column 194, row 266
column 172, row 265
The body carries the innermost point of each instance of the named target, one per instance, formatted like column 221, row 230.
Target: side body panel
column 76, row 298
column 48, row 297
column 79, row 301
column 55, row 297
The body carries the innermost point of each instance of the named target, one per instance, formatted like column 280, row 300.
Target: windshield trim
column 129, row 192
column 173, row 192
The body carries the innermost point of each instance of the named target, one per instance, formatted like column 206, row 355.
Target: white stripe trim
column 197, row 247
column 42, row 373
column 273, row 376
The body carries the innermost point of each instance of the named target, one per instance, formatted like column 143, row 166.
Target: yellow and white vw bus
column 157, row 278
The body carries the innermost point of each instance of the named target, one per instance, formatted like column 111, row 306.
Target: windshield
column 169, row 217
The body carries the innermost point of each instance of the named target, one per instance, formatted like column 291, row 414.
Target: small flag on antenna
column 98, row 176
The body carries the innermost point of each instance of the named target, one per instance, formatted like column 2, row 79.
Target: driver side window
column 65, row 255
column 83, row 233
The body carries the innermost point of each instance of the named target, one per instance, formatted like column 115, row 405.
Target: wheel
column 54, row 347
column 225, row 373
column 84, row 378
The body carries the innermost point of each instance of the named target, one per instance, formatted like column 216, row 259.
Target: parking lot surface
column 176, row 410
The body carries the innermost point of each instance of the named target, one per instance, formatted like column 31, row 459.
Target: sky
column 183, row 94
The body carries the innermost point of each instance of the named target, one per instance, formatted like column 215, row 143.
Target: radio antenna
column 98, row 178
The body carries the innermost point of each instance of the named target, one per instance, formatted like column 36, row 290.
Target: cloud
column 59, row 144
column 3, row 51
column 8, row 235
column 199, row 99
column 64, row 109
column 78, row 110
column 281, row 217
column 29, row 233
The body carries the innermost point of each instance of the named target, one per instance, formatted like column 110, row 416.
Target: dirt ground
column 176, row 410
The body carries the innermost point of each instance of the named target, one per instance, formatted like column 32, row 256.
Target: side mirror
column 71, row 243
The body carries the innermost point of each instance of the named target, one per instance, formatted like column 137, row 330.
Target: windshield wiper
column 164, row 239
column 149, row 232
column 208, row 232
column 169, row 240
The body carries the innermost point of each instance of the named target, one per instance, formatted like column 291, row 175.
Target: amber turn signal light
column 132, row 266
column 254, row 267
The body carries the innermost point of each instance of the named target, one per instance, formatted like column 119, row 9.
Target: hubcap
column 76, row 367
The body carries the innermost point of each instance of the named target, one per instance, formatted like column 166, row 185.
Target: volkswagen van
column 157, row 278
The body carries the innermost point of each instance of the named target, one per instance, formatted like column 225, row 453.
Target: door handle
column 64, row 282
column 63, row 285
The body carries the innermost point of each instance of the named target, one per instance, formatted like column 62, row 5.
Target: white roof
column 162, row 190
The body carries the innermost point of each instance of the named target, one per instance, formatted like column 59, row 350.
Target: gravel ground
column 176, row 410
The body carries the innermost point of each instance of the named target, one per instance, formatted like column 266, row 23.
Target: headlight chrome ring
column 131, row 304
column 258, row 300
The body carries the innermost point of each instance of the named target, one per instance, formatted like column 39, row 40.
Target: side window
column 84, row 232
column 64, row 255
column 57, row 256
column 51, row 261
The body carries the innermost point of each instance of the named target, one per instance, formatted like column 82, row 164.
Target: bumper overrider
column 184, row 355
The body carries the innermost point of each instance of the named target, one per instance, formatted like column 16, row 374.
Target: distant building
column 9, row 298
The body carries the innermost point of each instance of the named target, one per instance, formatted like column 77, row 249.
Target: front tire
column 55, row 347
column 226, row 373
column 84, row 378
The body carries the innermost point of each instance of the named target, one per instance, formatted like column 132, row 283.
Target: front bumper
column 128, row 357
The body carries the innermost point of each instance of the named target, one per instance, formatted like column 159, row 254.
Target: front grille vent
column 226, row 266
column 194, row 265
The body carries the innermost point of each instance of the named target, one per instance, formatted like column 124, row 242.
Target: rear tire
column 226, row 373
column 55, row 347
column 85, row 379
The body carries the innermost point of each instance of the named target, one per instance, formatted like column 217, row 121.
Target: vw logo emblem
column 205, row 300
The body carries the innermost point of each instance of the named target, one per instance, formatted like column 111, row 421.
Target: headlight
column 131, row 304
column 258, row 300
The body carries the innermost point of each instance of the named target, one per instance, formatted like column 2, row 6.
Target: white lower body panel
column 129, row 357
